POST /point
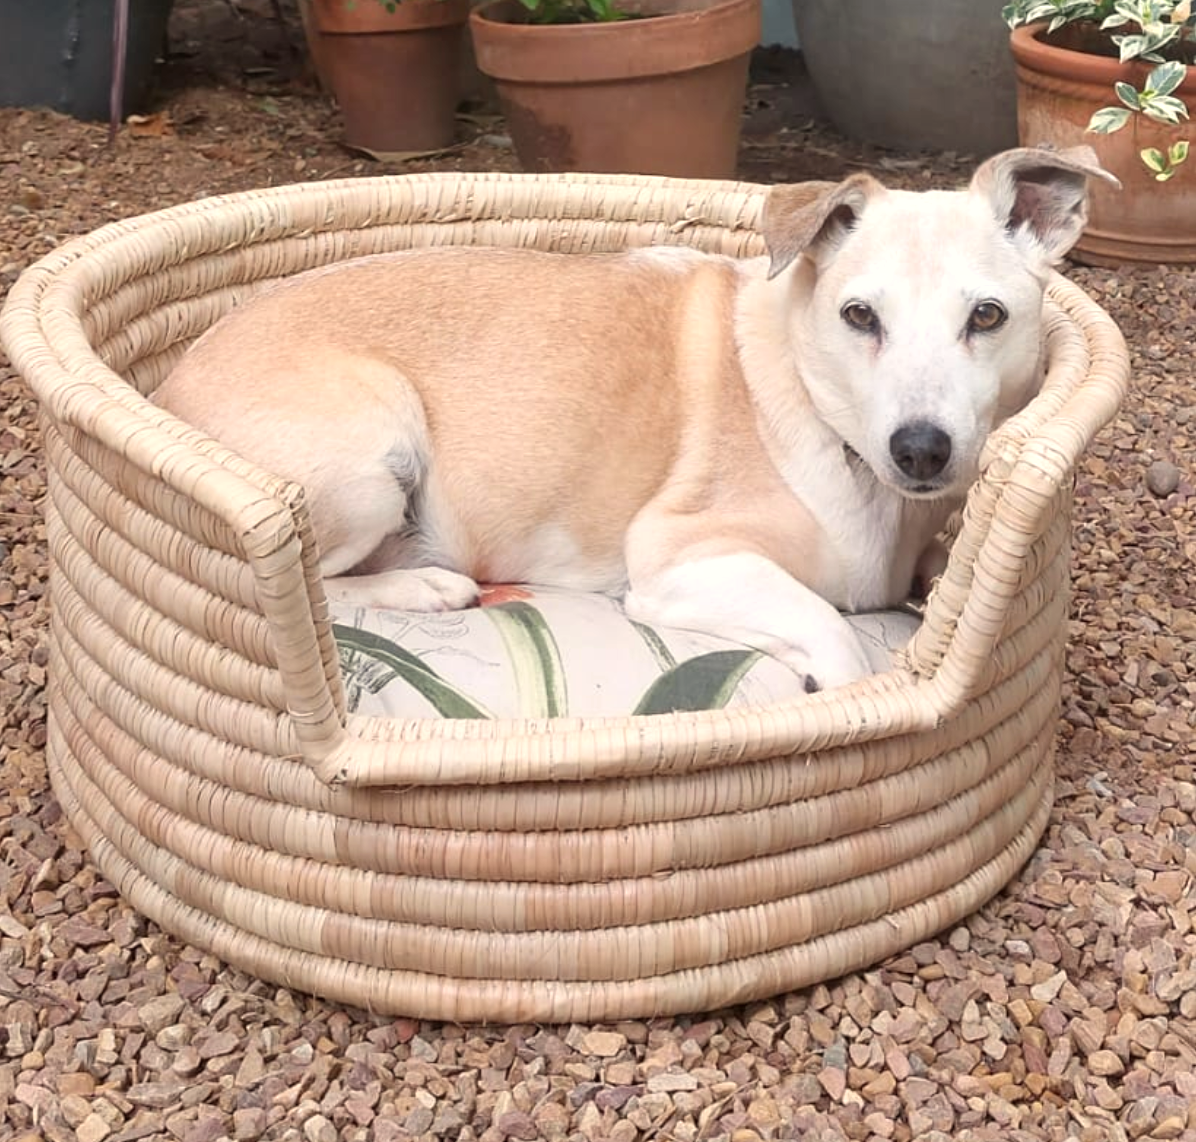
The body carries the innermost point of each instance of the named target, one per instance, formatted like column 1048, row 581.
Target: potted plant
column 640, row 86
column 1118, row 74
column 394, row 67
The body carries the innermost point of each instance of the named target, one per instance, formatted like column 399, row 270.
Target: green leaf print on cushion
column 535, row 659
column 540, row 653
column 355, row 645
column 703, row 683
column 656, row 644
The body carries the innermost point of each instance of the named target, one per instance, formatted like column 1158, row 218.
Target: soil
column 1064, row 1009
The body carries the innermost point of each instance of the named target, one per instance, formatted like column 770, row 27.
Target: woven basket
column 551, row 870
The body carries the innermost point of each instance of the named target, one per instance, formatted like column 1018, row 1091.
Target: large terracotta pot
column 395, row 75
column 660, row 95
column 1058, row 90
column 935, row 75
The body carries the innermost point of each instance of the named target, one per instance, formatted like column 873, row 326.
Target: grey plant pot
column 936, row 75
column 58, row 54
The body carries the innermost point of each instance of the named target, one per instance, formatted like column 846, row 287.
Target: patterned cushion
column 541, row 653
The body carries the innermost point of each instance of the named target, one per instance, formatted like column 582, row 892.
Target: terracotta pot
column 315, row 44
column 395, row 75
column 660, row 95
column 1058, row 90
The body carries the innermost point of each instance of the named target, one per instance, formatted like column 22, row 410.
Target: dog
column 745, row 447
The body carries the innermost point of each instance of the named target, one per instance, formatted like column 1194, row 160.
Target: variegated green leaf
column 1167, row 110
column 1154, row 159
column 1131, row 47
column 1165, row 78
column 1109, row 119
column 1128, row 94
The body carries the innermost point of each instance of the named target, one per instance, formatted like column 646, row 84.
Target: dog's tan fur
column 640, row 423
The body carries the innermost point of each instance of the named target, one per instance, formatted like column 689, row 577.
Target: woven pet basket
column 554, row 870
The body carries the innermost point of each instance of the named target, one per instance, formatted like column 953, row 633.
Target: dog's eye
column 860, row 316
column 986, row 317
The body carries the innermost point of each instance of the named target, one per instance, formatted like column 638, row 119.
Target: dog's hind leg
column 405, row 589
column 371, row 546
column 367, row 496
column 352, row 430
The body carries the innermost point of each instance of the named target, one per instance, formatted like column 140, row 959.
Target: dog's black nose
column 921, row 450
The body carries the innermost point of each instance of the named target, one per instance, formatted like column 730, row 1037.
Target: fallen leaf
column 156, row 126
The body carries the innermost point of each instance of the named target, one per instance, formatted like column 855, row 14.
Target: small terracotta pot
column 659, row 95
column 396, row 75
column 1058, row 91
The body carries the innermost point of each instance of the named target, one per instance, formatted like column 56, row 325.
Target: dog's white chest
column 869, row 559
column 873, row 535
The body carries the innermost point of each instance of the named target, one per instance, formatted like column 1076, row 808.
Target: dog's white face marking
column 908, row 347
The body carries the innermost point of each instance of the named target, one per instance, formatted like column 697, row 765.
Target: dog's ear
column 1042, row 192
column 808, row 214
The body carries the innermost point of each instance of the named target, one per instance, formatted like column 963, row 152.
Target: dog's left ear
column 799, row 216
column 1042, row 191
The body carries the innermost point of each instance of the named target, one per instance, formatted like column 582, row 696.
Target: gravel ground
column 1065, row 1009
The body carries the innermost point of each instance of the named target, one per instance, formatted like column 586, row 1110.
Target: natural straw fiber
column 568, row 869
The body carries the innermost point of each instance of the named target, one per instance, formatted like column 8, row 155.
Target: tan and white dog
column 736, row 446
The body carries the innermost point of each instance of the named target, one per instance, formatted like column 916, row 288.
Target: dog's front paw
column 835, row 663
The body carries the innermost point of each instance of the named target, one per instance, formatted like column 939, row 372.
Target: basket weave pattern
column 558, row 870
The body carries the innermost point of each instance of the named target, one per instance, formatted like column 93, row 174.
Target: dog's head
column 916, row 317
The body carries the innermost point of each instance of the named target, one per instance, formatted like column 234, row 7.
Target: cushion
column 537, row 652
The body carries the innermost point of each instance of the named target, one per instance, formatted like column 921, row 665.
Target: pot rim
column 627, row 49
column 1032, row 52
column 332, row 18
column 704, row 9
